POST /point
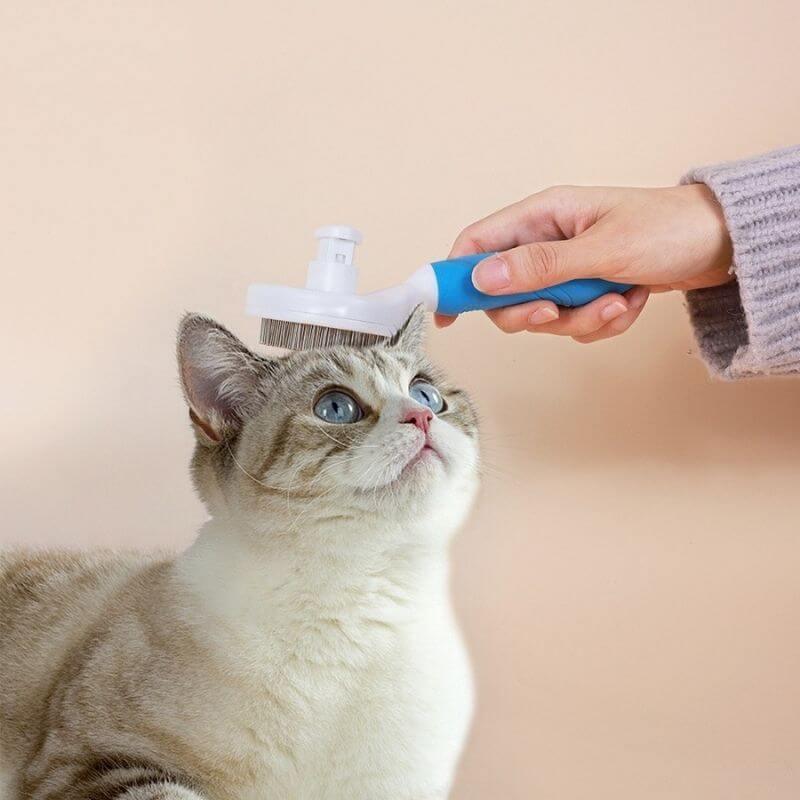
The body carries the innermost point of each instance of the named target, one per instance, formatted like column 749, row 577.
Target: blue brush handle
column 457, row 294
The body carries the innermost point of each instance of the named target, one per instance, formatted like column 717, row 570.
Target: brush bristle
column 302, row 336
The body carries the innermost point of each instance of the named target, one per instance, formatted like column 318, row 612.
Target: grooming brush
column 329, row 311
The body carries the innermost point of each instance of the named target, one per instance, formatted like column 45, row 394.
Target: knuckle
column 506, row 320
column 559, row 192
column 558, row 189
column 468, row 237
column 621, row 324
column 539, row 262
column 589, row 327
column 507, row 325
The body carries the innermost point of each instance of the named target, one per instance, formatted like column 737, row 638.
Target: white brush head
column 330, row 301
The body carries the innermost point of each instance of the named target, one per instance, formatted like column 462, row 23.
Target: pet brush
column 329, row 311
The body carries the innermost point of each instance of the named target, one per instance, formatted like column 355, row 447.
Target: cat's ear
column 411, row 336
column 221, row 378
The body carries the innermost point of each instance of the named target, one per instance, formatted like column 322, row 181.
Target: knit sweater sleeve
column 751, row 326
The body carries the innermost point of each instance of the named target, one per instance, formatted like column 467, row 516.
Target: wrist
column 715, row 248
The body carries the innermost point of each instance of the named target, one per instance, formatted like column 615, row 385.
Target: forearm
column 751, row 326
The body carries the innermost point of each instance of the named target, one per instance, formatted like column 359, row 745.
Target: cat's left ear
column 411, row 336
column 222, row 380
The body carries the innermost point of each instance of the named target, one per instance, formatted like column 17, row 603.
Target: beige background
column 629, row 581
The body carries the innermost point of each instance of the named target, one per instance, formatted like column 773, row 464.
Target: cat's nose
column 421, row 417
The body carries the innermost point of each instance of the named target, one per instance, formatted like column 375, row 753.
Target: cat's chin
column 426, row 454
column 422, row 471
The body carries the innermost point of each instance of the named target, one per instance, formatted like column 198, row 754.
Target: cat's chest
column 318, row 711
column 297, row 679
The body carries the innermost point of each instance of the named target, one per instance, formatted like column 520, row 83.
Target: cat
column 304, row 645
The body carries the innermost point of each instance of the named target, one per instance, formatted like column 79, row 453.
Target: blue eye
column 428, row 395
column 338, row 408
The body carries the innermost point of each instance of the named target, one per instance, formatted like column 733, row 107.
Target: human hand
column 655, row 239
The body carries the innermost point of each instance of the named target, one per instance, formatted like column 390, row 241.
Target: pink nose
column 421, row 417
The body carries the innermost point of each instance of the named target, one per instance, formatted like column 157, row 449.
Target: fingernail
column 491, row 274
column 542, row 315
column 613, row 310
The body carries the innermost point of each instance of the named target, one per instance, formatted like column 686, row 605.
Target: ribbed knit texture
column 752, row 325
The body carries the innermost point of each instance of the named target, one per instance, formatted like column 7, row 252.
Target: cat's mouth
column 425, row 453
column 418, row 465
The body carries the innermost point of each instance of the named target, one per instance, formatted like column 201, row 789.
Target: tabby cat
column 304, row 646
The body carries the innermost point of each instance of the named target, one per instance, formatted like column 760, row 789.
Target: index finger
column 528, row 220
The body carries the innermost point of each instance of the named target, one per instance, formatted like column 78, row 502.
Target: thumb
column 537, row 266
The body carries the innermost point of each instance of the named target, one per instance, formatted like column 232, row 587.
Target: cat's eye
column 428, row 395
column 338, row 408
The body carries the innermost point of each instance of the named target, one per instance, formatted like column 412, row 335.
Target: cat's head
column 333, row 432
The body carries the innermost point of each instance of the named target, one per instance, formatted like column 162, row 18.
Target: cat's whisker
column 252, row 477
column 489, row 466
column 322, row 430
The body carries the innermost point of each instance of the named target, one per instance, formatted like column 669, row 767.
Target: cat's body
column 303, row 647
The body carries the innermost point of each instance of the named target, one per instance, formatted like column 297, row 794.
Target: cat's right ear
column 411, row 335
column 222, row 380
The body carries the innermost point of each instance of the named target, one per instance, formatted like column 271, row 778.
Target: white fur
column 348, row 630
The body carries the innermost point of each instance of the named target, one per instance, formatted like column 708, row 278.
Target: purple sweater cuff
column 752, row 325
